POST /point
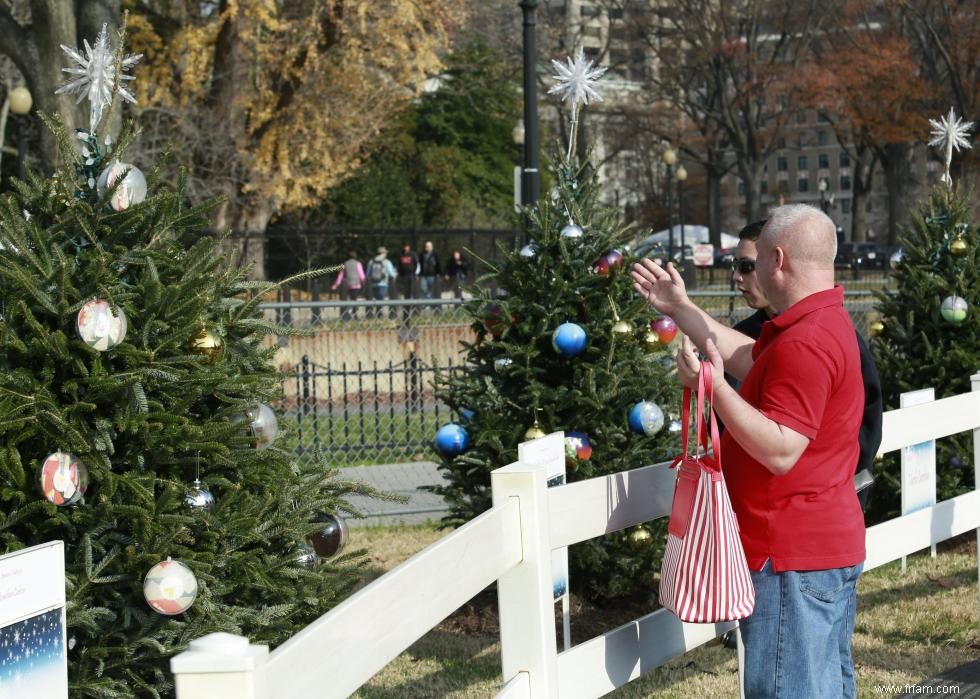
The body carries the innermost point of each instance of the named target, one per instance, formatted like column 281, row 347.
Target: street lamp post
column 531, row 183
column 670, row 159
column 826, row 200
column 20, row 102
column 517, row 134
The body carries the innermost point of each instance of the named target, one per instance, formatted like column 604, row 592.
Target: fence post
column 975, row 386
column 524, row 593
column 220, row 666
column 305, row 379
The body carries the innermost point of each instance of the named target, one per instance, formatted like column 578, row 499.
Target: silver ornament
column 675, row 426
column 199, row 497
column 529, row 251
column 305, row 556
column 572, row 232
column 501, row 363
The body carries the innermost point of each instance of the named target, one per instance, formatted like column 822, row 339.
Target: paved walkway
column 398, row 479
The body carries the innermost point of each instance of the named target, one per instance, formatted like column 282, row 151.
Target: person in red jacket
column 788, row 452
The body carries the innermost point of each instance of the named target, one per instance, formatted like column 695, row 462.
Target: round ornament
column 651, row 341
column 675, row 426
column 208, row 344
column 501, row 363
column 569, row 340
column 646, row 418
column 64, row 479
column 170, row 587
column 131, row 190
column 331, row 538
column 572, row 232
column 101, row 326
column 609, row 262
column 534, row 432
column 495, row 320
column 451, row 440
column 263, row 426
column 666, row 329
column 199, row 497
column 578, row 448
column 875, row 328
column 622, row 329
column 529, row 251
column 305, row 556
column 958, row 247
column 954, row 309
column 640, row 538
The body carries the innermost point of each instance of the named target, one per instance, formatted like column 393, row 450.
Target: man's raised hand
column 662, row 288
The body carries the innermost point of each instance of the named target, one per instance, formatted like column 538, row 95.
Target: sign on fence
column 918, row 464
column 34, row 658
column 704, row 255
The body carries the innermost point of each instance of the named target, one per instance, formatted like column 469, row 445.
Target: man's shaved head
column 806, row 234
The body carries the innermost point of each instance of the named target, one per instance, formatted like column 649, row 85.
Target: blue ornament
column 578, row 448
column 451, row 440
column 569, row 339
column 646, row 418
column 466, row 415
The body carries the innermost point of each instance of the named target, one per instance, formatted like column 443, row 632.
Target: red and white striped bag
column 704, row 577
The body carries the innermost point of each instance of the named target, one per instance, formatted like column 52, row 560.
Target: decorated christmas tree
column 135, row 423
column 928, row 335
column 566, row 345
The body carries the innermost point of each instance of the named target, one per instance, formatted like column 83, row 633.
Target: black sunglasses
column 743, row 265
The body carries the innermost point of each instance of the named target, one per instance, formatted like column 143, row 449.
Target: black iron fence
column 359, row 388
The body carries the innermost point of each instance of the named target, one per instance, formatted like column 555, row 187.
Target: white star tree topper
column 96, row 73
column 949, row 133
column 576, row 81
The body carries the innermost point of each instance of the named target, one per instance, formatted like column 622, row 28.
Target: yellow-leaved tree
column 271, row 104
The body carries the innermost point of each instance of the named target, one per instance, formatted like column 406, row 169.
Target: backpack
column 377, row 272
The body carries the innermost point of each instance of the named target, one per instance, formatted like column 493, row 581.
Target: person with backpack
column 380, row 273
column 350, row 280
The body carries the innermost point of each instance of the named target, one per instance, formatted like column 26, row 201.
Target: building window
column 803, row 185
column 845, row 183
column 823, row 118
column 824, row 161
column 615, row 13
column 781, row 143
column 822, row 138
column 782, row 164
column 801, row 163
column 845, row 206
column 764, row 186
column 589, row 11
column 741, row 187
column 845, row 159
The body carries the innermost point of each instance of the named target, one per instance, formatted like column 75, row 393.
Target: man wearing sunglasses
column 869, row 436
column 788, row 451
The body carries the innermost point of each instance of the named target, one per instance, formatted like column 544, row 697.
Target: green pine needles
column 146, row 417
column 918, row 347
column 590, row 393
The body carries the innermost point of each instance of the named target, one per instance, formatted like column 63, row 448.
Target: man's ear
column 780, row 257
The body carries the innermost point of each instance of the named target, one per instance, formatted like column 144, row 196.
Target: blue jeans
column 798, row 639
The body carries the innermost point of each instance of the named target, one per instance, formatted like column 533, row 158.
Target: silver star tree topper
column 576, row 81
column 950, row 132
column 96, row 73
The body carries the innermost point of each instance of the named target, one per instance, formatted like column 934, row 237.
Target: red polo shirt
column 806, row 376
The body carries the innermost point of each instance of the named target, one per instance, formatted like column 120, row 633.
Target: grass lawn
column 910, row 627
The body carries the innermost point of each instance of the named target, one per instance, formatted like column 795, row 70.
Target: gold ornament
column 534, row 432
column 622, row 329
column 207, row 344
column 640, row 538
column 651, row 342
column 958, row 247
column 875, row 328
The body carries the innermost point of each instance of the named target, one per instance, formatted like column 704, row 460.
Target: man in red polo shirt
column 788, row 453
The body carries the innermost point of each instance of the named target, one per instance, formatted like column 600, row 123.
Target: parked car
column 658, row 251
column 860, row 256
column 724, row 257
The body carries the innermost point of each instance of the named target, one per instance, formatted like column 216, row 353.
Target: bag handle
column 705, row 391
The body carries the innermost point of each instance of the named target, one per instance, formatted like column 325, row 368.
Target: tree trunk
column 864, row 168
column 894, row 160
column 751, row 173
column 247, row 224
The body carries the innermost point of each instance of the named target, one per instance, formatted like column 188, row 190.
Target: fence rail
column 512, row 543
column 359, row 388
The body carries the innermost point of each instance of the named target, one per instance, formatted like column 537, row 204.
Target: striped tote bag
column 704, row 577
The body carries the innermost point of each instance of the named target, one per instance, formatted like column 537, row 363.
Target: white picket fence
column 511, row 544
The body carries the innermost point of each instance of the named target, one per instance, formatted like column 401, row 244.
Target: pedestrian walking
column 430, row 269
column 381, row 273
column 456, row 273
column 350, row 280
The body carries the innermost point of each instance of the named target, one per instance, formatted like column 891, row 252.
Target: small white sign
column 549, row 452
column 918, row 461
column 33, row 651
column 704, row 255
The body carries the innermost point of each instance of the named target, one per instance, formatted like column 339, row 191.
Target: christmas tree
column 567, row 346
column 134, row 420
column 929, row 334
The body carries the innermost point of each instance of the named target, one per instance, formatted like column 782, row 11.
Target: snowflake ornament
column 96, row 73
column 575, row 79
column 949, row 133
